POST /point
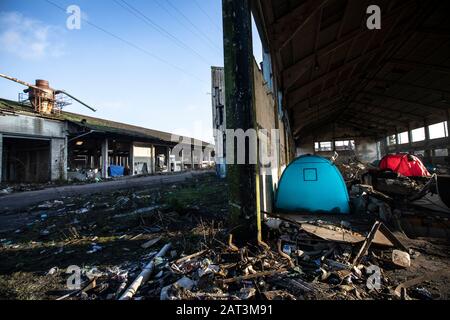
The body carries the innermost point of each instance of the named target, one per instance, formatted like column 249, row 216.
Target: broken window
column 438, row 130
column 403, row 138
column 316, row 146
column 345, row 145
column 391, row 140
column 325, row 146
column 441, row 152
column 418, row 134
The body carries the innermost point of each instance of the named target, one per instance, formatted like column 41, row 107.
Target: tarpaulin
column 405, row 164
column 116, row 171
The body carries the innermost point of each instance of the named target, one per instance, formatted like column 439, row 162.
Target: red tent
column 404, row 164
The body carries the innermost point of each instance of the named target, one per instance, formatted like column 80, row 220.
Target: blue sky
column 124, row 83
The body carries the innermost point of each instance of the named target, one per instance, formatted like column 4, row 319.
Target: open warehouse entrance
column 26, row 160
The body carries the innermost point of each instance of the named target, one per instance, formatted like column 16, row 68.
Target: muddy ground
column 63, row 232
column 105, row 233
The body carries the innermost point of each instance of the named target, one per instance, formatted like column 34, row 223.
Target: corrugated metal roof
column 97, row 124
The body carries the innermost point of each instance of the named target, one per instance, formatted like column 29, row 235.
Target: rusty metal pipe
column 77, row 100
column 21, row 82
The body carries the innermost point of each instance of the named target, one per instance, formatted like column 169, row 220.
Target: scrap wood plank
column 379, row 232
column 333, row 235
column 391, row 237
column 346, row 236
column 415, row 281
column 370, row 237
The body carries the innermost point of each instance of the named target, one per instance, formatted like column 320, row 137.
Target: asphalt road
column 21, row 200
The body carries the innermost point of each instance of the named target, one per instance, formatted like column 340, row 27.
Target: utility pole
column 243, row 179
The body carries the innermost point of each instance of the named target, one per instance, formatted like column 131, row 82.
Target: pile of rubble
column 312, row 260
column 170, row 243
column 352, row 171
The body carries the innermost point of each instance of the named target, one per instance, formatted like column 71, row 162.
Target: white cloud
column 28, row 38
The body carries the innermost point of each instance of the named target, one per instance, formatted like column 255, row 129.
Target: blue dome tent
column 312, row 184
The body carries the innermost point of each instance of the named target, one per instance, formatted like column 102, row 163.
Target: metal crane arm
column 77, row 100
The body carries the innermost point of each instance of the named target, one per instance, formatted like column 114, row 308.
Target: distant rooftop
column 97, row 124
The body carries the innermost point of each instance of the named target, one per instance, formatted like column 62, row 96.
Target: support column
column 153, row 160
column 201, row 157
column 182, row 161
column 396, row 141
column 410, row 142
column 131, row 160
column 58, row 159
column 428, row 153
column 1, row 157
column 192, row 159
column 105, row 160
column 243, row 194
column 169, row 166
column 448, row 129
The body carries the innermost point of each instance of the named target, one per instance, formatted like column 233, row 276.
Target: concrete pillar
column 1, row 157
column 153, row 160
column 201, row 157
column 410, row 139
column 448, row 129
column 243, row 183
column 396, row 141
column 131, row 160
column 428, row 153
column 168, row 159
column 192, row 159
column 105, row 161
column 182, row 161
column 58, row 159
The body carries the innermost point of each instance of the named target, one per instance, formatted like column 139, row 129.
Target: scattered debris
column 401, row 258
column 144, row 275
column 117, row 240
column 151, row 243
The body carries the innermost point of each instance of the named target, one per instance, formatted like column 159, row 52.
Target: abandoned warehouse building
column 38, row 146
column 355, row 120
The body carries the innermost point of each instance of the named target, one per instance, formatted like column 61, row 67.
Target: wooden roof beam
column 313, row 110
column 392, row 83
column 367, row 125
column 427, row 106
column 357, row 127
column 340, row 85
column 294, row 72
column 294, row 99
column 371, row 114
column 412, row 116
column 415, row 64
column 288, row 26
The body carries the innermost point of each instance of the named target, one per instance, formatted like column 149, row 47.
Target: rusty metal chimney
column 42, row 97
